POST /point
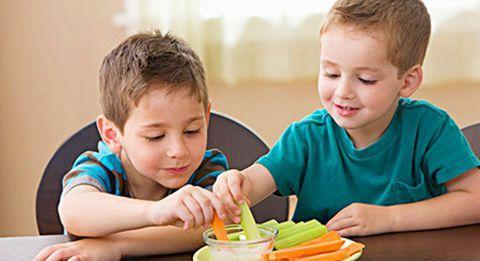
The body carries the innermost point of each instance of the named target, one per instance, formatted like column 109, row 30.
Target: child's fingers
column 232, row 207
column 218, row 206
column 233, row 211
column 74, row 258
column 205, row 201
column 342, row 214
column 46, row 252
column 183, row 213
column 195, row 209
column 223, row 193
column 350, row 231
column 342, row 224
column 235, row 186
column 62, row 253
column 216, row 203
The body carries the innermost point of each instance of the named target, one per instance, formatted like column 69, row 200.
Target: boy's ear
column 412, row 79
column 207, row 112
column 109, row 133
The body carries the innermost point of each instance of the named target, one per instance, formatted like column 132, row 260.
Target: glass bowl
column 240, row 250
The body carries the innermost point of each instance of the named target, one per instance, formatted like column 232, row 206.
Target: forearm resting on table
column 157, row 240
column 460, row 206
column 84, row 211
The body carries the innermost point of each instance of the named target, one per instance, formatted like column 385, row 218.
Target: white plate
column 203, row 254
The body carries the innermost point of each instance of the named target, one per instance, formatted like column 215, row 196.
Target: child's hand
column 189, row 207
column 360, row 219
column 83, row 249
column 232, row 187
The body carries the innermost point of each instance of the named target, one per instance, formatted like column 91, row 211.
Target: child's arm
column 85, row 211
column 459, row 206
column 253, row 184
column 141, row 242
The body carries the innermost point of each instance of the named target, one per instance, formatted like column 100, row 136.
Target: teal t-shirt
column 315, row 160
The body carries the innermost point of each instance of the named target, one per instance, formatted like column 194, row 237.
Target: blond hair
column 129, row 71
column 405, row 25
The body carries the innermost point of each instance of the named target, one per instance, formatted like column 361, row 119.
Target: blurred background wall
column 261, row 68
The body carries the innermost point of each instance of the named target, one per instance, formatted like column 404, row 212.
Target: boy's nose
column 345, row 90
column 177, row 149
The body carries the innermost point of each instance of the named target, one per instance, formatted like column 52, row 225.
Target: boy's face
column 358, row 86
column 165, row 137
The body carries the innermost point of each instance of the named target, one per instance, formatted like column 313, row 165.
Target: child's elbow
column 74, row 223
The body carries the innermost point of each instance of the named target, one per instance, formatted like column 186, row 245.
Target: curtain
column 276, row 42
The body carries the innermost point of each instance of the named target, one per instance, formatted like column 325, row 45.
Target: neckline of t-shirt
column 385, row 141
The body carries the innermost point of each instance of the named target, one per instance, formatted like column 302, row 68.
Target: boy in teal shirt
column 373, row 161
column 151, row 171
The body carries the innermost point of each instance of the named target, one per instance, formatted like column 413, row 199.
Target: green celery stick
column 298, row 228
column 291, row 230
column 285, row 225
column 234, row 236
column 248, row 223
column 301, row 237
column 271, row 223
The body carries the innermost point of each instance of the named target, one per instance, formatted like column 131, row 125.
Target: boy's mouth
column 345, row 110
column 177, row 170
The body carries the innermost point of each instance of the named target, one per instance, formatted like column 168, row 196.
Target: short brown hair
column 405, row 25
column 128, row 72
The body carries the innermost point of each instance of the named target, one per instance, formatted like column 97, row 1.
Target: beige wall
column 49, row 55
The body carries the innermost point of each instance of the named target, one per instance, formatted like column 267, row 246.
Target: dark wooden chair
column 240, row 144
column 472, row 133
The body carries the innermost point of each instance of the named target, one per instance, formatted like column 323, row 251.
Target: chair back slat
column 472, row 133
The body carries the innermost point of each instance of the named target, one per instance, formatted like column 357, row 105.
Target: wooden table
column 462, row 243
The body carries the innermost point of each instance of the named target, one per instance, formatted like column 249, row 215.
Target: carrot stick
column 335, row 256
column 329, row 236
column 300, row 251
column 332, row 256
column 219, row 228
column 353, row 248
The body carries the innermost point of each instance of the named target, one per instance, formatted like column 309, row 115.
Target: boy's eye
column 191, row 132
column 367, row 82
column 331, row 75
column 155, row 138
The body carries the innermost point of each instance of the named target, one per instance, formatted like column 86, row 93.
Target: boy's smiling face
column 165, row 137
column 358, row 86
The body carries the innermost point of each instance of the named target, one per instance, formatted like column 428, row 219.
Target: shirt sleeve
column 449, row 154
column 214, row 163
column 87, row 172
column 287, row 159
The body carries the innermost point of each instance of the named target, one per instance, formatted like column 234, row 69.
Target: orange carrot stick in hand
column 219, row 228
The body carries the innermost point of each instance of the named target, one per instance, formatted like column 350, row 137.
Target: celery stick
column 301, row 237
column 248, row 223
column 234, row 236
column 271, row 223
column 291, row 230
column 285, row 225
column 298, row 228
